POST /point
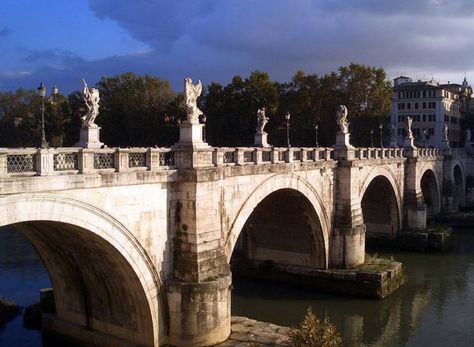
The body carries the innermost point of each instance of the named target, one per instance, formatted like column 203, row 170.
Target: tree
column 231, row 110
column 137, row 111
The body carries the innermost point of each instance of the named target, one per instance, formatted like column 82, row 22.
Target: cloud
column 214, row 40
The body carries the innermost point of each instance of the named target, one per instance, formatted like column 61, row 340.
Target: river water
column 435, row 307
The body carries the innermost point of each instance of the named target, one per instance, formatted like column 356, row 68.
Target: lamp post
column 372, row 138
column 425, row 134
column 203, row 121
column 42, row 95
column 381, row 133
column 316, row 128
column 287, row 117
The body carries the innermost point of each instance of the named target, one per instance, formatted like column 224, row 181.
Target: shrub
column 313, row 332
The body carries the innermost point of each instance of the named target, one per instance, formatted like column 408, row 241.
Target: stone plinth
column 89, row 137
column 190, row 135
column 409, row 143
column 343, row 140
column 260, row 139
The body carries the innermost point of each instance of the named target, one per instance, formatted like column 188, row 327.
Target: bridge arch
column 294, row 187
column 459, row 181
column 106, row 288
column 430, row 188
column 380, row 200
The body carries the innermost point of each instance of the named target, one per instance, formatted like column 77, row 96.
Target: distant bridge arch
column 289, row 183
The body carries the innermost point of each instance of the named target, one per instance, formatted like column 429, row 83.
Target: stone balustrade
column 256, row 155
column 378, row 153
column 31, row 161
column 54, row 161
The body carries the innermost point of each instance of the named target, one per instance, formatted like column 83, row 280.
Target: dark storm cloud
column 215, row 39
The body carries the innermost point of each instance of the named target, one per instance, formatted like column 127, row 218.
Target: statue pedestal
column 260, row 139
column 89, row 137
column 409, row 143
column 190, row 135
column 446, row 145
column 343, row 140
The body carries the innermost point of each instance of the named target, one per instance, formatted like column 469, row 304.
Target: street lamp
column 316, row 127
column 381, row 132
column 42, row 95
column 287, row 117
column 203, row 121
column 372, row 138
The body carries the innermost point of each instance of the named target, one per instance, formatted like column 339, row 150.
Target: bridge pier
column 199, row 293
column 348, row 237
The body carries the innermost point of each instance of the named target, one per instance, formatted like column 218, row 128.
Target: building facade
column 431, row 105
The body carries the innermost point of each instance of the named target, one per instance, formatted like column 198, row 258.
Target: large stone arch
column 386, row 178
column 431, row 194
column 269, row 186
column 39, row 215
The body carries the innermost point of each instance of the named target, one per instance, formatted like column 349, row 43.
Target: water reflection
column 434, row 308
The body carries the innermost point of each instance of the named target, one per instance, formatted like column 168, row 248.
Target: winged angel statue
column 191, row 93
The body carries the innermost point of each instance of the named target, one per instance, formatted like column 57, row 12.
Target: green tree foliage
column 310, row 99
column 231, row 110
column 313, row 332
column 137, row 111
column 145, row 111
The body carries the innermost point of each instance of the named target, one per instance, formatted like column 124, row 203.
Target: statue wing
column 198, row 89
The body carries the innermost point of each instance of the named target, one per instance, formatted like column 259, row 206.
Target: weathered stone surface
column 249, row 332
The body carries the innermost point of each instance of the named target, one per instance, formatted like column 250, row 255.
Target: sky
column 61, row 41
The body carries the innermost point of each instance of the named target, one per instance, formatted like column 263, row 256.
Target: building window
column 424, row 118
column 401, row 106
column 446, row 118
column 431, row 131
column 431, row 105
column 408, row 106
column 424, row 94
column 424, row 105
column 416, row 106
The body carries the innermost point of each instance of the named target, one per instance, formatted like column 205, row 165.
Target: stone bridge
column 138, row 241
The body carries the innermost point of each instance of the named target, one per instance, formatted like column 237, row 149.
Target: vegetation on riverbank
column 312, row 332
column 375, row 263
column 8, row 310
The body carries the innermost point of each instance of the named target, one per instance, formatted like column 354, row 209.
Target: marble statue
column 262, row 120
column 91, row 98
column 409, row 124
column 468, row 136
column 191, row 93
column 341, row 117
column 446, row 133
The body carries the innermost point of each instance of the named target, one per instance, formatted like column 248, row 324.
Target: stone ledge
column 250, row 332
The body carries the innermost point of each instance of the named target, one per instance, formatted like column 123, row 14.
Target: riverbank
column 253, row 333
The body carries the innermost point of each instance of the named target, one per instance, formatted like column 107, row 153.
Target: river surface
column 435, row 307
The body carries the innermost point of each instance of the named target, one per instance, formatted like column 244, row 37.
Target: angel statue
column 191, row 93
column 341, row 117
column 91, row 98
column 262, row 120
column 445, row 133
column 409, row 124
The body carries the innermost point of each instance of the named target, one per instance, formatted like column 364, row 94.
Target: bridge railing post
column 45, row 162
column 152, row 159
column 121, row 159
column 3, row 163
column 86, row 160
column 289, row 155
column 258, row 156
